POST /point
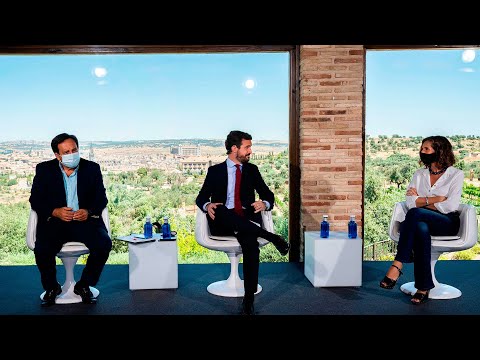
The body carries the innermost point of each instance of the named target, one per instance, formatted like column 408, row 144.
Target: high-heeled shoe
column 388, row 283
column 419, row 298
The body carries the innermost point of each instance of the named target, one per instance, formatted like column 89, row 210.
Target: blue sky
column 160, row 96
column 422, row 92
column 143, row 97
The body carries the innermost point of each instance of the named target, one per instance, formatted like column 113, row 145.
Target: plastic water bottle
column 325, row 227
column 166, row 233
column 148, row 228
column 352, row 228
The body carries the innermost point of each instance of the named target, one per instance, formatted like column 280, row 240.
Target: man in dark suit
column 69, row 196
column 231, row 214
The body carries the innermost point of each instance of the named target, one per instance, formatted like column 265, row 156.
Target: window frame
column 294, row 102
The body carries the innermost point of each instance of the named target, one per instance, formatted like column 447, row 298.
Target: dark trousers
column 228, row 223
column 56, row 232
column 415, row 243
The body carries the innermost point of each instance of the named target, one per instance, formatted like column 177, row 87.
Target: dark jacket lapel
column 223, row 180
column 58, row 183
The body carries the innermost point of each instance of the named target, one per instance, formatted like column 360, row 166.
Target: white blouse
column 450, row 184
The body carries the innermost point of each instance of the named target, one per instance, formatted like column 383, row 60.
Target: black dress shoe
column 282, row 246
column 247, row 307
column 51, row 295
column 85, row 294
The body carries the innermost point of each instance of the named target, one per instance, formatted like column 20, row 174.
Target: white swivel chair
column 466, row 238
column 233, row 286
column 69, row 255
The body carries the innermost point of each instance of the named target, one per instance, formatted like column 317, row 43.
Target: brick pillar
column 331, row 135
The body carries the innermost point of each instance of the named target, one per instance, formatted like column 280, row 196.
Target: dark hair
column 443, row 149
column 235, row 138
column 61, row 138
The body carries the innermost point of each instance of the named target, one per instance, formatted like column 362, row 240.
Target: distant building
column 198, row 164
column 174, row 149
column 185, row 150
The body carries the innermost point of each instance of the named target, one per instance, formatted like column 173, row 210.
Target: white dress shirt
column 450, row 184
column 231, row 171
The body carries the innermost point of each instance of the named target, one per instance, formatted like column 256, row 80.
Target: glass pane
column 154, row 122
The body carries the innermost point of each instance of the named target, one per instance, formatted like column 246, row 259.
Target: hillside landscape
column 150, row 178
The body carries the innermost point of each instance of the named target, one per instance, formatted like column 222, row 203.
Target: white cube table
column 152, row 264
column 333, row 261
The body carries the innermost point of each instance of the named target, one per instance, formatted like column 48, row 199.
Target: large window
column 412, row 94
column 154, row 122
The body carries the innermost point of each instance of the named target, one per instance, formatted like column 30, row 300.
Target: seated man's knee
column 108, row 247
column 41, row 250
column 101, row 247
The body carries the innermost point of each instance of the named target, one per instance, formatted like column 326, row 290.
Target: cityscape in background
column 184, row 156
column 174, row 156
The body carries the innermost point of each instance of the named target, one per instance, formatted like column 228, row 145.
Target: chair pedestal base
column 440, row 291
column 225, row 288
column 69, row 297
column 233, row 286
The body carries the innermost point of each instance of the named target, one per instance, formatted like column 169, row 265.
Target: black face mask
column 427, row 159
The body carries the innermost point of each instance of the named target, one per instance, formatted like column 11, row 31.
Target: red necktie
column 238, row 180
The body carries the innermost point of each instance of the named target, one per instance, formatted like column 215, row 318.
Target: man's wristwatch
column 426, row 201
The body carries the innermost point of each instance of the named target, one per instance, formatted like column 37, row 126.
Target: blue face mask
column 71, row 160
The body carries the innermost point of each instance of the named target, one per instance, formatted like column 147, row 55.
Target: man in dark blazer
column 217, row 199
column 69, row 196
